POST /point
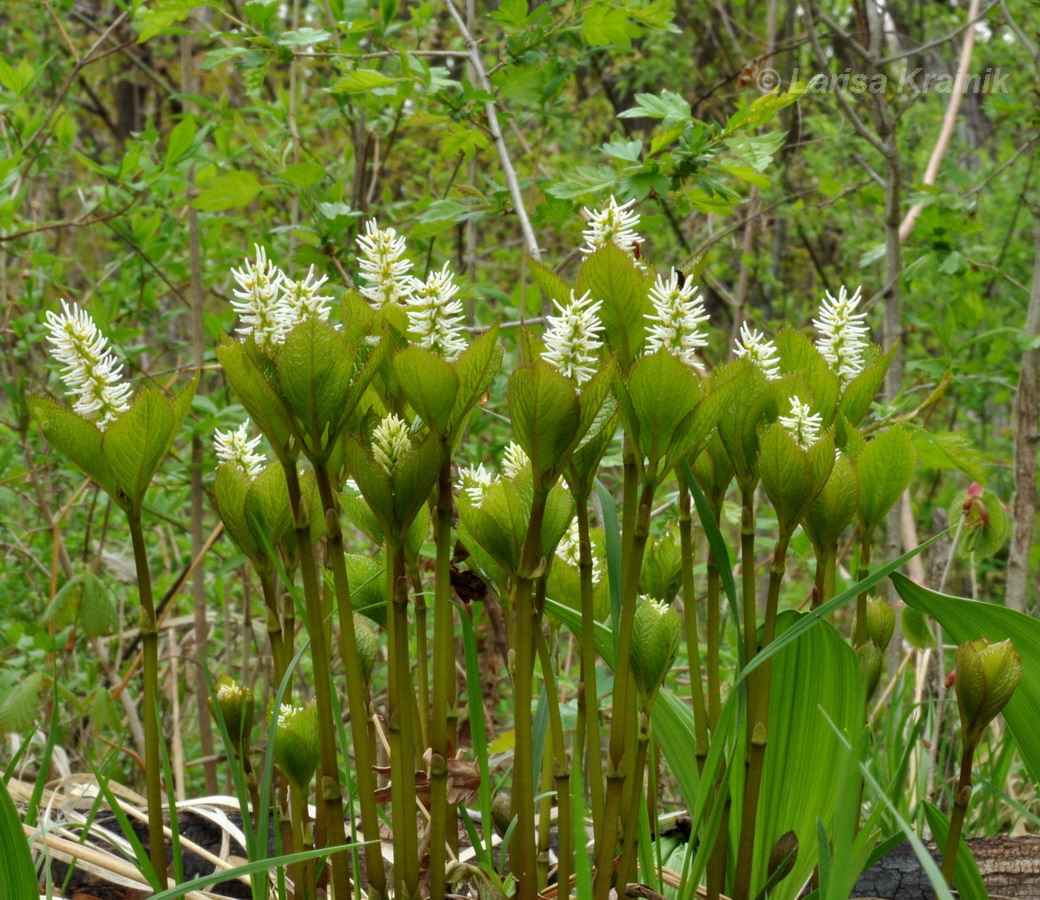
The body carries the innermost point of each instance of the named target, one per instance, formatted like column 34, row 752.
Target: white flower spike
column 676, row 323
column 91, row 371
column 301, row 300
column 474, row 482
column 435, row 316
column 762, row 352
column 259, row 300
column 571, row 339
column 390, row 441
column 843, row 336
column 803, row 425
column 614, row 224
column 569, row 550
column 237, row 448
column 383, row 265
column 514, row 461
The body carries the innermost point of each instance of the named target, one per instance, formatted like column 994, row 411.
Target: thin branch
column 973, row 19
column 496, row 133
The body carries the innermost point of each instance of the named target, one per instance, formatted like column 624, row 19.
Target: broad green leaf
column 373, row 481
column 946, row 450
column 367, row 577
column 559, row 510
column 476, row 369
column 180, row 140
column 20, row 702
column 499, row 524
column 834, row 507
column 230, row 487
column 968, row 620
column 256, row 392
column 885, row 467
column 792, row 477
column 986, row 525
column 414, row 477
column 757, row 150
column 551, row 284
column 303, row 37
column 137, row 442
column 267, row 512
column 316, row 373
column 657, row 404
column 430, row 384
column 799, row 355
column 861, row 391
column 803, row 751
column 227, row 192
column 77, row 438
column 543, row 407
column 613, row 277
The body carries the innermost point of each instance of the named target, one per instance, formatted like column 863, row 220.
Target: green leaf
column 968, row 620
column 20, row 703
column 861, row 391
column 227, row 191
column 799, row 355
column 551, row 284
column 499, row 524
column 361, row 80
column 585, row 181
column 613, row 277
column 230, row 487
column 915, row 628
column 429, row 384
column 180, row 141
column 791, row 476
column 657, row 403
column 77, row 438
column 303, row 37
column 267, row 511
column 885, row 467
column 475, row 369
column 946, row 450
column 757, row 150
column 834, row 507
column 671, row 107
column 372, row 480
column 803, row 751
column 137, row 442
column 604, row 24
column 413, row 478
column 306, row 174
column 253, row 386
column 158, row 17
column 543, row 407
column 17, row 872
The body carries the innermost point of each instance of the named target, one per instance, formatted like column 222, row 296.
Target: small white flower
column 230, row 690
column 259, row 300
column 803, row 425
column 301, row 300
column 91, row 371
column 287, row 713
column 390, row 441
column 474, row 482
column 678, row 316
column 514, row 461
column 762, row 352
column 614, row 224
column 843, row 336
column 571, row 338
column 569, row 550
column 383, row 265
column 435, row 316
column 237, row 448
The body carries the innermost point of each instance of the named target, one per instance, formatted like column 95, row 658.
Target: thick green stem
column 713, row 638
column 329, row 830
column 716, row 868
column 441, row 734
column 622, row 705
column 747, row 570
column 561, row 769
column 357, row 690
column 859, row 634
column 960, row 809
column 152, row 736
column 627, row 867
column 588, row 696
column 422, row 659
column 693, row 647
column 401, row 728
column 757, row 725
column 275, row 632
column 303, row 872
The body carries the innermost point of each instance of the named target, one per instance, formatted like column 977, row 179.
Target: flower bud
column 782, row 857
column 296, row 747
column 656, row 632
column 367, row 644
column 871, row 664
column 987, row 675
column 237, row 706
column 881, row 622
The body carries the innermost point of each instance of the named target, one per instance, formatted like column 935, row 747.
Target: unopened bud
column 871, row 664
column 782, row 857
column 237, row 707
column 367, row 645
column 656, row 632
column 881, row 622
column 296, row 746
column 987, row 675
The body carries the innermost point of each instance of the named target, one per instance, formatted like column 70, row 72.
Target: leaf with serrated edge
column 613, row 277
column 543, row 407
column 885, row 466
column 137, row 442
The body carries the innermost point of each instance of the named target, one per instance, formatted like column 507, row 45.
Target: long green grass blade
column 17, row 873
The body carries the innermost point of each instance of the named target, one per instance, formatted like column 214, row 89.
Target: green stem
column 747, row 570
column 713, row 637
column 329, row 829
column 588, row 696
column 152, row 737
column 859, row 635
column 275, row 632
column 627, row 867
column 716, row 868
column 401, row 728
column 561, row 769
column 303, row 872
column 357, row 689
column 524, row 851
column 693, row 647
column 441, row 735
column 960, row 809
column 422, row 669
column 622, row 704
column 757, row 725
